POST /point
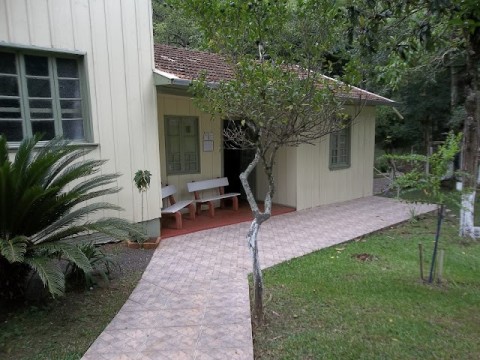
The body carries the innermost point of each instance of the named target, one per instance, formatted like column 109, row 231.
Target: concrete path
column 192, row 301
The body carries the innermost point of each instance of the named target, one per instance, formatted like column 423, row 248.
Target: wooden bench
column 175, row 206
column 198, row 186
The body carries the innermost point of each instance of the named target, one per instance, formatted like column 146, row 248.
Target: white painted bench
column 196, row 187
column 173, row 207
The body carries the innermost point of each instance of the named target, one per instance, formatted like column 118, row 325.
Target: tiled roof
column 187, row 64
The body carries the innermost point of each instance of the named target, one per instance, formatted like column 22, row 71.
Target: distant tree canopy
column 172, row 27
column 424, row 102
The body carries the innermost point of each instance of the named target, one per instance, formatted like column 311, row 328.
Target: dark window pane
column 10, row 109
column 67, row 68
column 38, row 87
column 47, row 128
column 73, row 129
column 10, row 114
column 7, row 63
column 41, row 109
column 10, row 103
column 12, row 130
column 8, row 85
column 71, row 109
column 69, row 89
column 36, row 65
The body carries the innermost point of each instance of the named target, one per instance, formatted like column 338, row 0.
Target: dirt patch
column 364, row 257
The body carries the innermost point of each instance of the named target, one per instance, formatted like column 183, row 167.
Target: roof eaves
column 162, row 78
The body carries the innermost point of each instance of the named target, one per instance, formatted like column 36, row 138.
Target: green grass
column 330, row 305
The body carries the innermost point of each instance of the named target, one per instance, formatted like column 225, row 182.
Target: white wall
column 116, row 37
column 318, row 185
column 302, row 174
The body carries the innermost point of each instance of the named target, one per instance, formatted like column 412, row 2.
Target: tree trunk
column 259, row 218
column 470, row 136
column 257, row 272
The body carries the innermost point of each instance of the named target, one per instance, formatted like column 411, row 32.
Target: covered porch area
column 223, row 217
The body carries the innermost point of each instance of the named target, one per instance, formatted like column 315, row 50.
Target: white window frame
column 339, row 150
column 20, row 52
column 183, row 170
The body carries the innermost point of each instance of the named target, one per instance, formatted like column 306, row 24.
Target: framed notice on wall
column 207, row 145
column 207, row 141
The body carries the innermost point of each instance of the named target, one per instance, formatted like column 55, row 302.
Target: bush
column 43, row 202
column 101, row 263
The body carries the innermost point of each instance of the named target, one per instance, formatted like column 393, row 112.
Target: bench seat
column 175, row 206
column 198, row 186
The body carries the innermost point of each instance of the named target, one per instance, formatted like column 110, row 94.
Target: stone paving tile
column 223, row 354
column 224, row 315
column 229, row 336
column 193, row 301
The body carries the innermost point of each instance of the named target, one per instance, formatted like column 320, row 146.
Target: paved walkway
column 192, row 301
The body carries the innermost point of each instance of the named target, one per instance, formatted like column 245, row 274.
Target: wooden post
column 420, row 251
column 440, row 266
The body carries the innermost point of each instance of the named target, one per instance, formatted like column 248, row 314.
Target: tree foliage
column 172, row 27
column 278, row 96
column 424, row 32
column 424, row 103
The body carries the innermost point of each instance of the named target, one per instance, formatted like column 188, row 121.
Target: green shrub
column 101, row 263
column 46, row 195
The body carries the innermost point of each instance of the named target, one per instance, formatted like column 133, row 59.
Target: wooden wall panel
column 4, row 33
column 61, row 24
column 17, row 19
column 39, row 23
column 149, row 118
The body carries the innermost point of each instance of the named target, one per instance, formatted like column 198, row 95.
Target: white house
column 83, row 69
column 338, row 168
column 88, row 70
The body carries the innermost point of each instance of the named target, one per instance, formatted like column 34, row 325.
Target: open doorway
column 234, row 162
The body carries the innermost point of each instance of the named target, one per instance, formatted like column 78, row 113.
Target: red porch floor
column 223, row 217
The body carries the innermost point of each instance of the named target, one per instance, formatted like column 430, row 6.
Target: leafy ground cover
column 64, row 328
column 364, row 300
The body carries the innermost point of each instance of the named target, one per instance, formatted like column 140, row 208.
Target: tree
column 419, row 32
column 424, row 102
column 277, row 97
column 172, row 27
column 46, row 196
column 428, row 184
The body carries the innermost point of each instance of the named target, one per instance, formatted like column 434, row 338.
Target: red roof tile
column 188, row 64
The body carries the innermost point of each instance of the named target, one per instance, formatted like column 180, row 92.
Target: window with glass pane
column 340, row 149
column 40, row 94
column 182, row 145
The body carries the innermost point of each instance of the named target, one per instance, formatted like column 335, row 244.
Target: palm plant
column 43, row 202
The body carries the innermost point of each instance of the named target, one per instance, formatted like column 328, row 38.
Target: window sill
column 339, row 167
column 12, row 147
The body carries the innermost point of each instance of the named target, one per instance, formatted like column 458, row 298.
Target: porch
column 223, row 217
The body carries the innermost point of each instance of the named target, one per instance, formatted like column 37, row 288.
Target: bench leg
column 178, row 220
column 211, row 209
column 235, row 203
column 192, row 210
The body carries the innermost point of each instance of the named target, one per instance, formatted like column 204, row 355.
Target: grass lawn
column 66, row 327
column 331, row 305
